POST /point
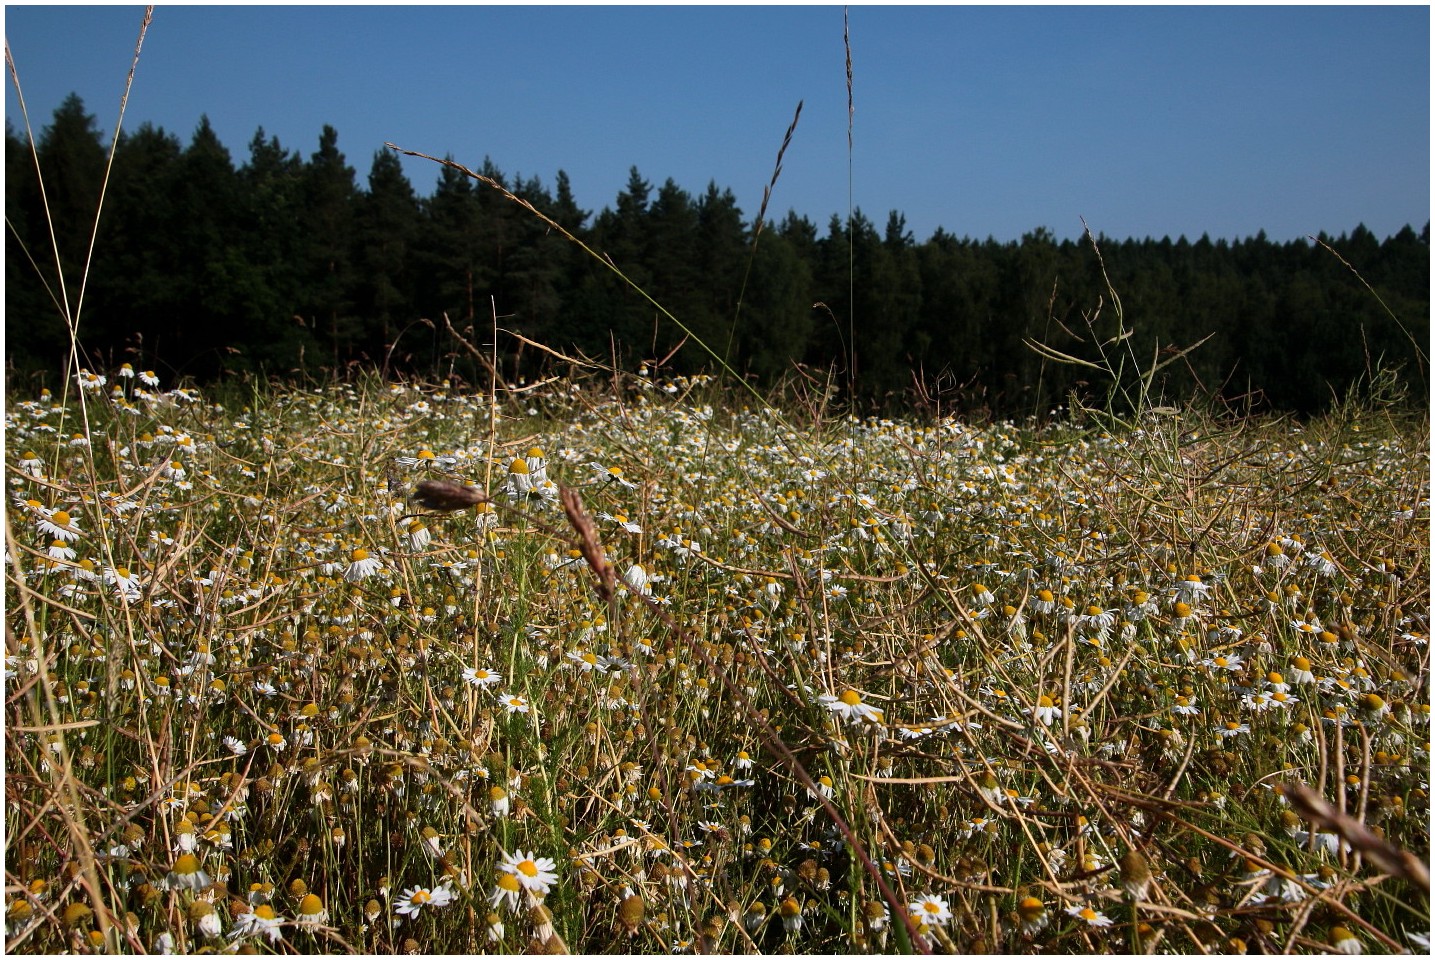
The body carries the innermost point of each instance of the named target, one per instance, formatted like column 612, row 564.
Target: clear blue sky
column 987, row 121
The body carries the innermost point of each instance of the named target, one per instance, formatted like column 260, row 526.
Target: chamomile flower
column 260, row 921
column 1373, row 707
column 361, row 565
column 1186, row 706
column 536, row 874
column 621, row 519
column 1089, row 916
column 931, row 909
column 311, row 910
column 1343, row 941
column 610, row 475
column 850, row 707
column 424, row 458
column 126, row 584
column 1231, row 728
column 186, row 874
column 31, row 463
column 1191, row 590
column 59, row 525
column 506, row 891
column 1322, row 562
column 1230, row 663
column 1045, row 711
column 635, row 578
column 416, row 899
column 1032, row 913
column 205, row 918
column 481, row 677
column 791, row 912
column 418, row 535
column 1256, row 702
column 1300, row 671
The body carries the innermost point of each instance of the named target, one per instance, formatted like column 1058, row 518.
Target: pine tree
column 387, row 224
column 328, row 205
column 71, row 161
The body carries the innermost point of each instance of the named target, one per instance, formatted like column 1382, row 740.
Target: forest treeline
column 283, row 264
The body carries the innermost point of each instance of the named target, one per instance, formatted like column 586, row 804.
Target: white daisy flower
column 536, row 874
column 931, row 909
column 850, row 707
column 416, row 898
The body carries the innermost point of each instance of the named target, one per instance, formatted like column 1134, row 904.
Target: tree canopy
column 287, row 264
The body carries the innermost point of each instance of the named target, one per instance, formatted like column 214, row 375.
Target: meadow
column 637, row 664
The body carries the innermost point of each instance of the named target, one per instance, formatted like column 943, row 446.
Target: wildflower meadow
column 624, row 662
column 638, row 664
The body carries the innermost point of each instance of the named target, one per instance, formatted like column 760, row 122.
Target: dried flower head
column 447, row 497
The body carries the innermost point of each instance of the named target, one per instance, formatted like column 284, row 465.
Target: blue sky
column 987, row 121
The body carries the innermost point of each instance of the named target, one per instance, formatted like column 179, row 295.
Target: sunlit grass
column 1053, row 678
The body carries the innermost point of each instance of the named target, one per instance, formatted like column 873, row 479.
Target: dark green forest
column 285, row 265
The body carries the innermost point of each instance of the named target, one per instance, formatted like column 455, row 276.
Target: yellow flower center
column 851, row 697
column 359, row 554
column 528, row 868
column 1031, row 907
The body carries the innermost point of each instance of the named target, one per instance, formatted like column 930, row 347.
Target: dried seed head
column 446, row 497
column 630, row 914
column 1135, row 875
